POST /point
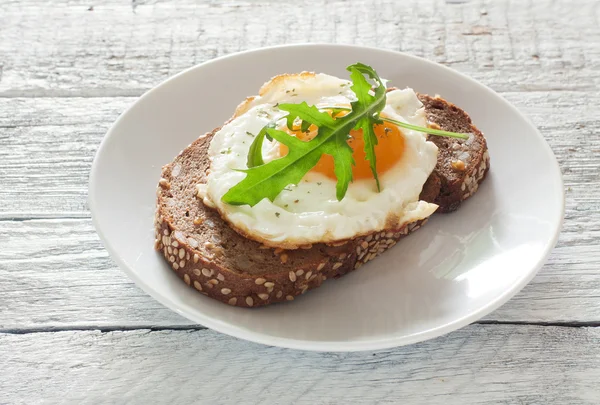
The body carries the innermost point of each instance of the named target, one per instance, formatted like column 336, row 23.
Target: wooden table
column 74, row 328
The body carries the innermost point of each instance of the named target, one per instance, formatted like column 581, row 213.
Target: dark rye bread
column 218, row 262
column 462, row 163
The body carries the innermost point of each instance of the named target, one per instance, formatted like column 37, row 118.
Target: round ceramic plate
column 453, row 271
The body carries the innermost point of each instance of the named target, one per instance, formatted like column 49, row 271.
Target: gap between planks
column 151, row 328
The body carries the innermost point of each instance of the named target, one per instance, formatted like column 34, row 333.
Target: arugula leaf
column 268, row 180
column 362, row 88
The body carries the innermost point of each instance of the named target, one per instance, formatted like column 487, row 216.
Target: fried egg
column 309, row 212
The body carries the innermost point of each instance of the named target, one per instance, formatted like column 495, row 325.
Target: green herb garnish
column 268, row 180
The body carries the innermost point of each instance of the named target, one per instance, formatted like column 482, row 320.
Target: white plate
column 455, row 270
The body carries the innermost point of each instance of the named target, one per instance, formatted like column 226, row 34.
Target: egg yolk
column 388, row 151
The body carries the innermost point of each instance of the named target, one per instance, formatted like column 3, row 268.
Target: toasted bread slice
column 218, row 262
column 210, row 256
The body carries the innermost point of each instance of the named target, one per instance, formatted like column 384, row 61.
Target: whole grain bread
column 218, row 262
column 462, row 164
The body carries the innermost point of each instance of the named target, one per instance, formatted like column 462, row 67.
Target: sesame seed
column 207, row 272
column 225, row 291
column 320, row 266
column 337, row 266
column 263, row 297
column 270, row 290
column 357, row 265
column 196, row 272
column 389, row 235
column 299, row 272
column 165, row 252
column 283, row 258
column 343, row 256
column 197, row 286
column 196, row 258
column 186, row 278
column 308, row 275
column 324, row 278
column 165, row 232
column 249, row 301
column 187, row 256
column 269, row 284
column 289, row 298
column 192, row 242
column 181, row 253
column 369, row 238
column 176, row 252
column 220, row 277
column 279, row 294
column 182, row 263
column 175, row 266
column 260, row 281
column 364, row 244
column 304, row 289
column 175, row 243
column 170, row 250
column 358, row 250
column 208, row 285
column 232, row 301
column 214, row 281
column 172, row 259
column 292, row 276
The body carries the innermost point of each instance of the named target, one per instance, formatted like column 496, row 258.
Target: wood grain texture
column 67, row 70
column 481, row 364
column 62, row 49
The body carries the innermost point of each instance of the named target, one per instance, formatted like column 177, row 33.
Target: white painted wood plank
column 60, row 48
column 56, row 274
column 481, row 364
column 47, row 146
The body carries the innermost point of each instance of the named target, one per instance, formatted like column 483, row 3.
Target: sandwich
column 309, row 180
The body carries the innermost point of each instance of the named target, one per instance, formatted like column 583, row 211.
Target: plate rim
column 329, row 346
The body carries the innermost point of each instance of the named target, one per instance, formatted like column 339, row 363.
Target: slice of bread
column 218, row 262
column 462, row 163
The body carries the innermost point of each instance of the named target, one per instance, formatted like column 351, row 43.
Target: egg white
column 309, row 212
